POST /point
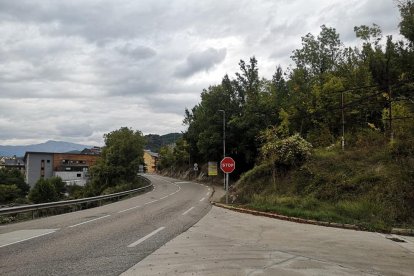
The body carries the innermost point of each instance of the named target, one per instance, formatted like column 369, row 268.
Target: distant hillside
column 155, row 142
column 49, row 146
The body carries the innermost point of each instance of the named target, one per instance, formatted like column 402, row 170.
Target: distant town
column 68, row 161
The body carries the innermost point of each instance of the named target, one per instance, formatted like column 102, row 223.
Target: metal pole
column 227, row 188
column 343, row 122
column 224, row 141
column 390, row 114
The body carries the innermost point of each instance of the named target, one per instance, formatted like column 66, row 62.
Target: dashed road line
column 202, row 199
column 146, row 237
column 186, row 212
column 89, row 221
column 26, row 239
column 164, row 197
column 151, row 202
column 129, row 209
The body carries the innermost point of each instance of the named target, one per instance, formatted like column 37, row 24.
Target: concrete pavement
column 230, row 243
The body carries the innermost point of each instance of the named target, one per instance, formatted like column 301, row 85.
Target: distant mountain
column 49, row 146
column 155, row 141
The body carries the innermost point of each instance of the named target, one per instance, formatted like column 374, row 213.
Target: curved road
column 106, row 240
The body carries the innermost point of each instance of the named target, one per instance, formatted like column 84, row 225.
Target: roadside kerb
column 396, row 231
column 49, row 205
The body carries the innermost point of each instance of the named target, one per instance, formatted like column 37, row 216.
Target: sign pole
column 227, row 165
column 227, row 188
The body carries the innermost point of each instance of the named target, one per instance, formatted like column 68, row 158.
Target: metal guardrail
column 35, row 207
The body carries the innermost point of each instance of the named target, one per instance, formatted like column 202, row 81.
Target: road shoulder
column 229, row 243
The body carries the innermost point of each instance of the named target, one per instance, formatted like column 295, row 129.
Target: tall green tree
column 120, row 159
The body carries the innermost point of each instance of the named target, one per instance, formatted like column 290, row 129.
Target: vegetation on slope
column 370, row 185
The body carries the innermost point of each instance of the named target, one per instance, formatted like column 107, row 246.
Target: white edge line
column 186, row 212
column 146, row 237
column 151, row 202
column 89, row 221
column 4, row 245
column 129, row 209
column 202, row 199
column 164, row 197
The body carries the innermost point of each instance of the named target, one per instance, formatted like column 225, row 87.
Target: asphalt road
column 106, row 240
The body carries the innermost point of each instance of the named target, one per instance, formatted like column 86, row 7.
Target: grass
column 363, row 213
column 371, row 186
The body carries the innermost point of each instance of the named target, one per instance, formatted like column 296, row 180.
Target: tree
column 407, row 23
column 319, row 55
column 13, row 178
column 121, row 156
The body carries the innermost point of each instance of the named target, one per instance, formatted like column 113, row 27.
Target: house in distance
column 73, row 168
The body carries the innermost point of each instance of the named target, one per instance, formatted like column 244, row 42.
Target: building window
column 48, row 161
column 78, row 175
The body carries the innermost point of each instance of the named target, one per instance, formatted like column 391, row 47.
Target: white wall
column 70, row 177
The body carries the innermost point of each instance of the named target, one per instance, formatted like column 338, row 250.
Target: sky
column 73, row 70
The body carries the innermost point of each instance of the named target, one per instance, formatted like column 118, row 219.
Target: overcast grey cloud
column 74, row 70
column 200, row 61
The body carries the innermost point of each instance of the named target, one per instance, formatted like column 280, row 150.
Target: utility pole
column 224, row 139
column 343, row 121
column 390, row 113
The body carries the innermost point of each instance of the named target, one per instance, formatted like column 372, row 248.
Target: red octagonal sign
column 227, row 165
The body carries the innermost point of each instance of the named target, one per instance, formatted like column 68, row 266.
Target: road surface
column 106, row 240
column 229, row 243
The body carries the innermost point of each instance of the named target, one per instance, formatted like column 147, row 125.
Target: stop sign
column 227, row 165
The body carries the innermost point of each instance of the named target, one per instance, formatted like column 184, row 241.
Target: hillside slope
column 371, row 185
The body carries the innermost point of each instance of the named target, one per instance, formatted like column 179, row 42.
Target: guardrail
column 48, row 205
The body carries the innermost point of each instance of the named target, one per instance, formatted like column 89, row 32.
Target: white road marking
column 202, row 199
column 186, row 212
column 164, row 197
column 209, row 189
column 151, row 202
column 22, row 235
column 129, row 209
column 89, row 221
column 146, row 237
column 207, row 193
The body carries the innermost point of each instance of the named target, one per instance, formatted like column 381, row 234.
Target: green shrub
column 43, row 191
column 320, row 137
column 291, row 151
column 75, row 191
column 8, row 193
column 60, row 186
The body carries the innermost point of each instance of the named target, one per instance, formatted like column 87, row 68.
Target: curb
column 397, row 231
column 402, row 231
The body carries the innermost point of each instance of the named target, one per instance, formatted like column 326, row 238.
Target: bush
column 14, row 177
column 291, row 151
column 320, row 137
column 43, row 191
column 60, row 186
column 75, row 191
column 8, row 193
